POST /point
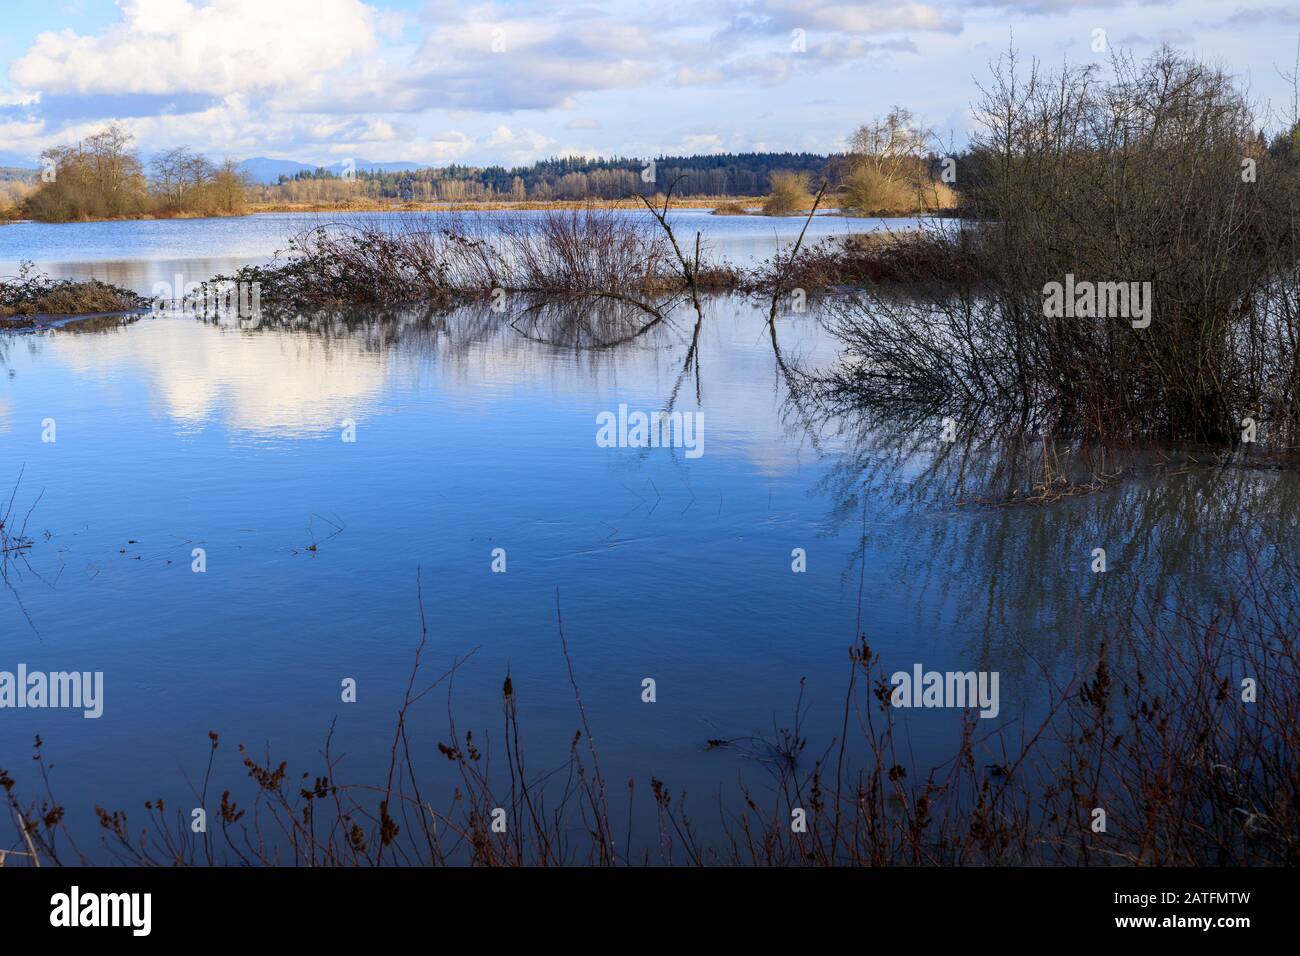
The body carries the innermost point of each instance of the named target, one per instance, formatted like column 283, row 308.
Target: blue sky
column 438, row 81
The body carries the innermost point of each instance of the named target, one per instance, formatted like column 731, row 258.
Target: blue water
column 139, row 253
column 174, row 434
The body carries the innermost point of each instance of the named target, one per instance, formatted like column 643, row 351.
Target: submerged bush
column 588, row 253
column 1151, row 180
column 731, row 209
column 789, row 195
column 869, row 191
column 31, row 293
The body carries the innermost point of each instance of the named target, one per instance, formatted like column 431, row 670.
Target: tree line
column 565, row 178
column 894, row 164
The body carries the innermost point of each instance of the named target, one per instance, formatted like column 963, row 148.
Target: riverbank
column 16, row 215
column 380, row 205
column 721, row 205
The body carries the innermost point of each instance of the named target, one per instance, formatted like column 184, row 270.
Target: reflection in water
column 198, row 249
column 287, row 385
column 295, row 376
column 143, row 276
column 1016, row 522
column 1018, row 518
column 1020, row 515
column 476, row 430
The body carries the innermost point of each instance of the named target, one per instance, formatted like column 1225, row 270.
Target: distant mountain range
column 263, row 170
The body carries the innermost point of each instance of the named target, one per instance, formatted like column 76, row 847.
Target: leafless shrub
column 1139, row 177
column 574, row 255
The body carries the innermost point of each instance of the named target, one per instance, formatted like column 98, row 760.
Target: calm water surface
column 138, row 254
column 175, row 434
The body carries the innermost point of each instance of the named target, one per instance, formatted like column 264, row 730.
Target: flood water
column 175, row 434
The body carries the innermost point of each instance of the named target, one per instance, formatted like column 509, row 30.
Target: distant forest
column 580, row 177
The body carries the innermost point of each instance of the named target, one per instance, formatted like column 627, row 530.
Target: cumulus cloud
column 856, row 48
column 217, row 47
column 482, row 62
column 321, row 71
column 519, row 147
column 10, row 99
column 699, row 143
column 502, row 81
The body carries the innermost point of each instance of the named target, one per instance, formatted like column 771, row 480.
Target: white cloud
column 215, row 47
column 690, row 76
column 860, row 17
column 519, row 147
column 700, row 143
column 11, row 98
column 327, row 78
column 480, row 61
column 855, row 48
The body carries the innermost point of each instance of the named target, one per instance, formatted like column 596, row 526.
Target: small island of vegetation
column 32, row 298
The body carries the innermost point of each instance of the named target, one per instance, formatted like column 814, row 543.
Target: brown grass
column 789, row 195
column 867, row 191
column 731, row 208
column 364, row 204
column 29, row 296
